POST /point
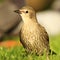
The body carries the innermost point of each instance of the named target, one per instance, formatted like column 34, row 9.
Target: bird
column 33, row 35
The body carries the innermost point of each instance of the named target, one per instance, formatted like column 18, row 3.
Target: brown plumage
column 33, row 36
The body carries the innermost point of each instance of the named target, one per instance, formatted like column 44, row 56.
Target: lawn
column 18, row 52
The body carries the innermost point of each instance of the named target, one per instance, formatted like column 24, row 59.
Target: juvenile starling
column 33, row 36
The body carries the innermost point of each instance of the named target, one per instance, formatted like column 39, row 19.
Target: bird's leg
column 47, row 55
column 46, row 52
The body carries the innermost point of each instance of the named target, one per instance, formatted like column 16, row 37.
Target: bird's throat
column 29, row 20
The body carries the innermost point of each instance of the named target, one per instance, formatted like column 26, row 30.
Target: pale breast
column 30, row 33
column 34, row 36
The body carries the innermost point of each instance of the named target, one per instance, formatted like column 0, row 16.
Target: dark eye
column 26, row 11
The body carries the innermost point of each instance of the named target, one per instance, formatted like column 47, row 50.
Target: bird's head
column 26, row 12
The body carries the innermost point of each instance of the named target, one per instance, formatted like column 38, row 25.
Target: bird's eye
column 26, row 11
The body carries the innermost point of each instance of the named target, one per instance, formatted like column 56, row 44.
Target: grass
column 18, row 52
column 55, row 43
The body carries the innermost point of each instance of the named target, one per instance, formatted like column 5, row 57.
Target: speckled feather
column 34, row 37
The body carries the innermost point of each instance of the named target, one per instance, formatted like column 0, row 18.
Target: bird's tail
column 52, row 52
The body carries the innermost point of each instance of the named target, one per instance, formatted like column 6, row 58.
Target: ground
column 15, row 50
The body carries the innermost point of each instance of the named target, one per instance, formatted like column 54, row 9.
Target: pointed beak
column 17, row 11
